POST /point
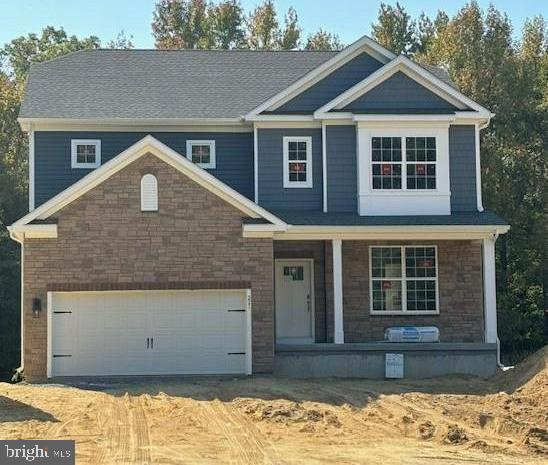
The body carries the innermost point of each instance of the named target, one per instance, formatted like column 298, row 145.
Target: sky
column 350, row 19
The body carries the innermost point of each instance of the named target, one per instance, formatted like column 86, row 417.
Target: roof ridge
column 192, row 50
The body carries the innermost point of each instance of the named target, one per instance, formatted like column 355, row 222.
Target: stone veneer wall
column 106, row 242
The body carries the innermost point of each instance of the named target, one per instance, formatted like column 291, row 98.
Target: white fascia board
column 134, row 124
column 318, row 73
column 148, row 144
column 282, row 118
column 447, row 232
column 33, row 231
column 404, row 118
column 414, row 71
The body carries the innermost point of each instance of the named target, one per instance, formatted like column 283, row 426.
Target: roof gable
column 415, row 72
column 364, row 44
column 400, row 94
column 332, row 85
column 147, row 145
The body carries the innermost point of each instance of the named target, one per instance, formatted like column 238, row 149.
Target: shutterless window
column 403, row 279
column 297, row 161
column 403, row 163
column 420, row 158
column 201, row 152
column 85, row 153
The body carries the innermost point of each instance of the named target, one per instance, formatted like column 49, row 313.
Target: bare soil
column 267, row 420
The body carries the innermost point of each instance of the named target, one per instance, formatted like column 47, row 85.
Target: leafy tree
column 121, row 41
column 323, row 40
column 51, row 43
column 395, row 29
column 181, row 24
column 227, row 24
column 290, row 36
column 263, row 27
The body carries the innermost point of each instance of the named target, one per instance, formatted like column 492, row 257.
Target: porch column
column 338, row 291
column 489, row 290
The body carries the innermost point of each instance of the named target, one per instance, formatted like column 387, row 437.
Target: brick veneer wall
column 460, row 288
column 106, row 242
column 460, row 293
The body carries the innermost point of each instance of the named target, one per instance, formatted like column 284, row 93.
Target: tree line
column 478, row 50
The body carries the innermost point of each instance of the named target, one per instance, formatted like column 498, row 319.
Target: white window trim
column 154, row 200
column 403, row 280
column 212, row 160
column 297, row 184
column 404, row 164
column 73, row 153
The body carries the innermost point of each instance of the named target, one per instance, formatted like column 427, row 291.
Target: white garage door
column 148, row 332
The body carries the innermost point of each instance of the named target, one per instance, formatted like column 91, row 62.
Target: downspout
column 21, row 240
column 499, row 363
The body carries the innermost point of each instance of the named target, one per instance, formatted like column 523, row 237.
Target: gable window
column 403, row 163
column 149, row 193
column 297, row 159
column 403, row 279
column 201, row 152
column 85, row 153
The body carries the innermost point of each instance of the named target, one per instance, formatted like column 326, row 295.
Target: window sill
column 296, row 186
column 400, row 313
column 85, row 167
column 407, row 193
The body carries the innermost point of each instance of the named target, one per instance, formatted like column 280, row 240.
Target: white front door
column 294, row 301
column 148, row 332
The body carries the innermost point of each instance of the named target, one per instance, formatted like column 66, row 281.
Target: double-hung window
column 201, row 152
column 403, row 163
column 297, row 159
column 403, row 279
column 85, row 153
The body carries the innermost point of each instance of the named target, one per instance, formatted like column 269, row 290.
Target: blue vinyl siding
column 332, row 85
column 272, row 194
column 399, row 94
column 342, row 183
column 462, row 168
column 53, row 172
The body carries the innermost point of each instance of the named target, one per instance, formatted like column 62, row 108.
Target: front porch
column 347, row 292
column 367, row 360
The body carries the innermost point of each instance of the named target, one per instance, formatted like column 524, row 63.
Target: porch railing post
column 338, row 291
column 489, row 290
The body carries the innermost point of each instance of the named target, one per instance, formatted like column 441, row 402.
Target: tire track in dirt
column 115, row 427
column 140, row 438
column 247, row 443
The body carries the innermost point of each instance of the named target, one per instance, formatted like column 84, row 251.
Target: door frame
column 49, row 321
column 310, row 261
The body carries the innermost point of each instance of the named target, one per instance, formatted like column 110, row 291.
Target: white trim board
column 399, row 232
column 364, row 44
column 134, row 124
column 415, row 72
column 153, row 146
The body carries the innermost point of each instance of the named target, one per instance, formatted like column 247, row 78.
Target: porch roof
column 319, row 218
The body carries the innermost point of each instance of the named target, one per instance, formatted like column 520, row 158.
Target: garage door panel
column 193, row 332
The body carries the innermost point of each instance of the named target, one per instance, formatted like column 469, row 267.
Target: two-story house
column 208, row 212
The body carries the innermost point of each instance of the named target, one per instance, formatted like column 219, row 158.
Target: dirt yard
column 263, row 420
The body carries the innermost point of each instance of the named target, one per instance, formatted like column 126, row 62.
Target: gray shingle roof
column 161, row 83
column 318, row 218
column 165, row 83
